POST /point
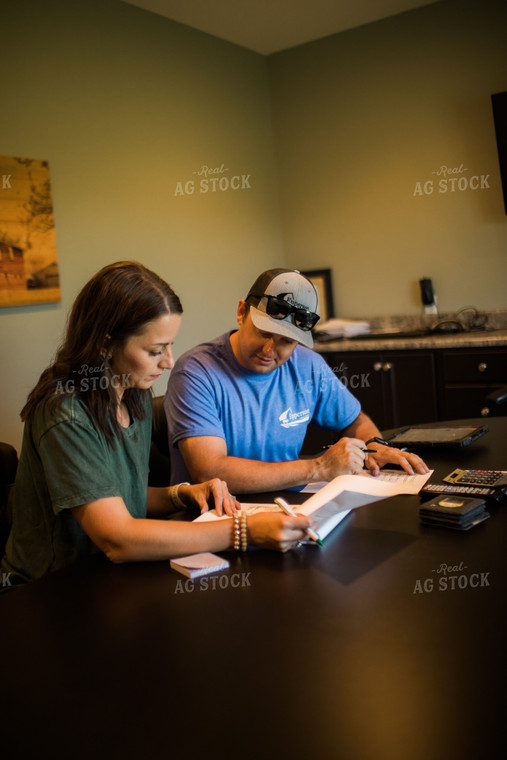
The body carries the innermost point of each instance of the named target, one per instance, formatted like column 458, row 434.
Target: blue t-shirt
column 260, row 416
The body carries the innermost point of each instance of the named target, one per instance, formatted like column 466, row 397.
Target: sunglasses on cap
column 279, row 309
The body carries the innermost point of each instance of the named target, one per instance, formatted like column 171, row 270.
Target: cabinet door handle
column 377, row 366
column 484, row 412
column 387, row 366
column 482, row 367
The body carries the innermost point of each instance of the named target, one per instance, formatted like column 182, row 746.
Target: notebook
column 196, row 565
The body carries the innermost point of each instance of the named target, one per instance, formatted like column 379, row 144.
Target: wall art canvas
column 28, row 258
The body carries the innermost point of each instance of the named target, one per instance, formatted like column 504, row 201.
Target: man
column 238, row 406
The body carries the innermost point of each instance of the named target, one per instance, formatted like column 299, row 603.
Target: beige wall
column 125, row 105
column 363, row 120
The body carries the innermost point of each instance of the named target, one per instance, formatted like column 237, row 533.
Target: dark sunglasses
column 279, row 309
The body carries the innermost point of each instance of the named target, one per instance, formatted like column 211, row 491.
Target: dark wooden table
column 387, row 643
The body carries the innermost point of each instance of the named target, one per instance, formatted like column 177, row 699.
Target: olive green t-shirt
column 66, row 461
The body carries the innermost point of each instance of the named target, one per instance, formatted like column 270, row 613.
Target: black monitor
column 499, row 102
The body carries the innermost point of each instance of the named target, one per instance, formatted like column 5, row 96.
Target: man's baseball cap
column 285, row 302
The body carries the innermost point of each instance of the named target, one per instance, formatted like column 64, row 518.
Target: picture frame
column 323, row 283
column 29, row 271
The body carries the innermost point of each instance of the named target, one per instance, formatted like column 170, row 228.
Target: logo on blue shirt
column 290, row 419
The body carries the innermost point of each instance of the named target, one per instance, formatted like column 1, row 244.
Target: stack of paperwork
column 331, row 502
column 342, row 328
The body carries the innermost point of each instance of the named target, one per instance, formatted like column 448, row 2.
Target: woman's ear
column 105, row 352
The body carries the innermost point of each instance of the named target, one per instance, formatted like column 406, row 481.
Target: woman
column 82, row 479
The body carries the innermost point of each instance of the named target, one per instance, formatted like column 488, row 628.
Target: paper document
column 387, row 483
column 399, row 480
column 250, row 509
column 343, row 327
column 313, row 487
column 331, row 503
column 413, row 483
column 323, row 520
column 334, row 500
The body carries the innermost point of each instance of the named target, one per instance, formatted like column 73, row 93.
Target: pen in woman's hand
column 289, row 511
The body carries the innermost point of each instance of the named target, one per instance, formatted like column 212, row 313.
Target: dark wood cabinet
column 394, row 387
column 409, row 387
column 466, row 376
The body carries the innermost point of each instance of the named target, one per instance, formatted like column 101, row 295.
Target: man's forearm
column 362, row 427
column 206, row 457
column 253, row 476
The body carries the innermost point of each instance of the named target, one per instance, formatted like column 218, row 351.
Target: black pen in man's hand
column 366, row 451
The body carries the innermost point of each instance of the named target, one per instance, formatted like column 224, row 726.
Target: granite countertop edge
column 494, row 334
column 458, row 340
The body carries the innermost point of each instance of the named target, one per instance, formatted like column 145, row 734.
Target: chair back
column 160, row 462
column 8, row 468
column 495, row 403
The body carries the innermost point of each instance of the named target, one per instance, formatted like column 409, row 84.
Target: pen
column 289, row 511
column 366, row 451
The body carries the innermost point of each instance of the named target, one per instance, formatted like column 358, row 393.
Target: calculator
column 479, row 492
column 486, row 478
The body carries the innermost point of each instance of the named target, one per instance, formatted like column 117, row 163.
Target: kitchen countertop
column 477, row 339
column 493, row 335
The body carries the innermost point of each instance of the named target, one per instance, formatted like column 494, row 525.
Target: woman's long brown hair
column 115, row 304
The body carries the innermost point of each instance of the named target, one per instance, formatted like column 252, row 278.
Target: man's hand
column 411, row 463
column 347, row 456
column 365, row 429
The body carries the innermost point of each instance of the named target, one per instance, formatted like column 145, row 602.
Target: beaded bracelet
column 244, row 533
column 236, row 531
column 175, row 498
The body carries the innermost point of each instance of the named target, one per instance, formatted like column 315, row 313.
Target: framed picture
column 322, row 281
column 29, row 271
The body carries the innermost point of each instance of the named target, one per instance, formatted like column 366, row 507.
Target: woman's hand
column 200, row 495
column 271, row 530
column 268, row 530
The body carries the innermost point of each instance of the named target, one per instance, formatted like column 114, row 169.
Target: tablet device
column 442, row 436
